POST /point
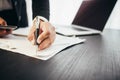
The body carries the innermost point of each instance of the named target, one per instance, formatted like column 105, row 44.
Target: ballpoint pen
column 36, row 33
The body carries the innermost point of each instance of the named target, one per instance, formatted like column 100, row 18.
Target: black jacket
column 20, row 18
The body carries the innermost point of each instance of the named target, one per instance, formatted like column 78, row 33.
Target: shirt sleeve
column 41, row 8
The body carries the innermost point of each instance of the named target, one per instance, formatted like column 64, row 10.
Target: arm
column 47, row 35
column 41, row 8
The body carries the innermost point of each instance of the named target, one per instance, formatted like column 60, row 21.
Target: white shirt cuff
column 42, row 18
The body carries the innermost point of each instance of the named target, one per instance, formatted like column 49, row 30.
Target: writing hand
column 46, row 37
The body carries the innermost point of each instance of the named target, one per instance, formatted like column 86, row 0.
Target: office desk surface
column 96, row 59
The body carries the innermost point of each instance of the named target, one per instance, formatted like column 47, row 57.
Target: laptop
column 90, row 18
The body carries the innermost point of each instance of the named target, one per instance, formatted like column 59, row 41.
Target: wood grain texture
column 96, row 59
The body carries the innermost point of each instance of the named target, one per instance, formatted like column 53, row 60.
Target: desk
column 96, row 59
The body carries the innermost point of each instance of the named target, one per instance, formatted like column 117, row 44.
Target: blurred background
column 63, row 12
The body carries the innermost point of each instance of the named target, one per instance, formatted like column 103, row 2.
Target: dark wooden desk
column 96, row 59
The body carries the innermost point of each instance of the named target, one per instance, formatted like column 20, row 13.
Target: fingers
column 47, row 31
column 46, row 36
column 31, row 33
column 42, row 36
column 47, row 41
column 3, row 22
column 44, row 44
column 4, row 32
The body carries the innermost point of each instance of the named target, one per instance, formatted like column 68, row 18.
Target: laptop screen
column 94, row 13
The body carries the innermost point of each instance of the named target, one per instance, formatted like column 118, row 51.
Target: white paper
column 23, row 46
column 21, row 31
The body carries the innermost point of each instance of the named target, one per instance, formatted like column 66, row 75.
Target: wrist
column 42, row 19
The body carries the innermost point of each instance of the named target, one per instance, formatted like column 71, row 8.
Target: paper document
column 21, row 31
column 23, row 46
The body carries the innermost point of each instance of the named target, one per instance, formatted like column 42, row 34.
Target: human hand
column 46, row 37
column 4, row 32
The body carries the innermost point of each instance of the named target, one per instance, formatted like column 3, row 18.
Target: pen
column 37, row 25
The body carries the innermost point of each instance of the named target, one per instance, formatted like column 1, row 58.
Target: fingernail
column 38, row 41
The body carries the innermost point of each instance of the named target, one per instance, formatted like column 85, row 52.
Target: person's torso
column 14, row 14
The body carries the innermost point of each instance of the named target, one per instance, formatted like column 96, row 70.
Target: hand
column 46, row 37
column 4, row 32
